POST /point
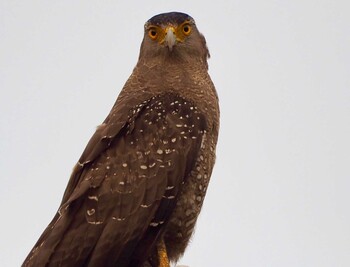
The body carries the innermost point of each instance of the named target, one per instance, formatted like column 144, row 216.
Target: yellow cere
column 158, row 33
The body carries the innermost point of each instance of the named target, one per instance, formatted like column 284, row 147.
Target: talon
column 162, row 255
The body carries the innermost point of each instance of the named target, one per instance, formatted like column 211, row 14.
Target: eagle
column 135, row 194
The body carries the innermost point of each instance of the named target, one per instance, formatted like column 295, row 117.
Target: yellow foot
column 162, row 255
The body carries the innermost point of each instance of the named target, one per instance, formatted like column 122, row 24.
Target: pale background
column 280, row 192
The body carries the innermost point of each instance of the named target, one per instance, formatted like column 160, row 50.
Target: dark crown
column 169, row 18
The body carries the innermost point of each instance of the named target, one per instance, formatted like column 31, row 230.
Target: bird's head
column 173, row 35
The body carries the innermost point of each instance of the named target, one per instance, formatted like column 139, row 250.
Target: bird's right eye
column 153, row 34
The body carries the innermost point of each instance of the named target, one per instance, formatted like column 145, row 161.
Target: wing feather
column 125, row 186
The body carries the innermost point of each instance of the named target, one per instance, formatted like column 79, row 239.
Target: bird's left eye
column 186, row 29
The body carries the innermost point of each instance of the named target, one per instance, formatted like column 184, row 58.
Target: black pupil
column 153, row 33
column 186, row 29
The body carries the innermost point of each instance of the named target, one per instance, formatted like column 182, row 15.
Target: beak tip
column 170, row 47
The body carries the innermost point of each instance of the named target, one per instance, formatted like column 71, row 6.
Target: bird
column 135, row 194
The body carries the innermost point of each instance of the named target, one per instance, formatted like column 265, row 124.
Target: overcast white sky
column 280, row 192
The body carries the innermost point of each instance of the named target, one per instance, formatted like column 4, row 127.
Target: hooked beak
column 170, row 38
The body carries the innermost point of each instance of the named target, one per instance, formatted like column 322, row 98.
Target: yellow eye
column 153, row 33
column 186, row 29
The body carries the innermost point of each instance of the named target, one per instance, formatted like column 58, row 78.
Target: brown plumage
column 139, row 185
